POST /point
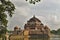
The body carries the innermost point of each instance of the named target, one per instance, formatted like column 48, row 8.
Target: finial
column 34, row 16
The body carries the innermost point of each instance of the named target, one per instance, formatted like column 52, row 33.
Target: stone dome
column 46, row 27
column 34, row 19
column 16, row 27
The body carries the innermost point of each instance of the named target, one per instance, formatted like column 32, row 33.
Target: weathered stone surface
column 36, row 27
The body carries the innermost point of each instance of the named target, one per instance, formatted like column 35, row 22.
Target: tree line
column 56, row 32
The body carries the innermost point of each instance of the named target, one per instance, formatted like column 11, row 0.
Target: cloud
column 22, row 11
column 16, row 20
column 53, row 21
column 48, row 11
column 56, row 1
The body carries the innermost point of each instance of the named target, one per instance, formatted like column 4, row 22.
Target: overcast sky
column 48, row 11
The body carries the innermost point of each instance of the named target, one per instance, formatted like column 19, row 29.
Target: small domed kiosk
column 16, row 28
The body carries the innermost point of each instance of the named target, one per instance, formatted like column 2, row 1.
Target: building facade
column 17, row 34
column 36, row 28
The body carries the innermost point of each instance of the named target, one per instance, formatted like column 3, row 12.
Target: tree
column 33, row 1
column 2, row 30
column 58, row 31
column 54, row 32
column 6, row 7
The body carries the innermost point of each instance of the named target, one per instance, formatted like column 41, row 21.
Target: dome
column 34, row 19
column 46, row 27
column 16, row 27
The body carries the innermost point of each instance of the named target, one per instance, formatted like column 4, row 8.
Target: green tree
column 6, row 8
column 2, row 31
column 33, row 1
column 54, row 32
column 58, row 31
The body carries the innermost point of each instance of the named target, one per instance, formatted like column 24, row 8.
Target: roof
column 16, row 27
column 46, row 27
column 34, row 19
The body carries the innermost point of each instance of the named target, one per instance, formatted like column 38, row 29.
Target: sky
column 48, row 11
